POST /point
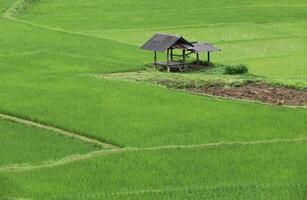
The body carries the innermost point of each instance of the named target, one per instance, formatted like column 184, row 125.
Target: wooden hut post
column 155, row 60
column 209, row 58
column 197, row 55
column 172, row 57
column 183, row 57
column 168, row 67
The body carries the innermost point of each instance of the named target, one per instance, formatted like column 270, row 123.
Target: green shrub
column 202, row 63
column 236, row 69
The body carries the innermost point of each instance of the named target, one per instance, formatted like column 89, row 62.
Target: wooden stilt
column 197, row 55
column 168, row 67
column 209, row 59
column 172, row 57
column 183, row 57
column 155, row 60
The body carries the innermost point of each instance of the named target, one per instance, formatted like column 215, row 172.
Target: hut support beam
column 209, row 59
column 168, row 67
column 172, row 55
column 183, row 57
column 197, row 56
column 155, row 60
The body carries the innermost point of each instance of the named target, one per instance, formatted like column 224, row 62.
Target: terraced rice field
column 68, row 132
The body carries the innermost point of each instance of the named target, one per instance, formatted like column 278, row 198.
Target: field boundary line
column 60, row 30
column 183, row 188
column 54, row 163
column 186, row 188
column 57, row 130
column 94, row 154
column 17, row 8
column 235, row 143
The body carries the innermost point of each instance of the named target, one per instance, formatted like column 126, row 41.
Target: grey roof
column 199, row 47
column 161, row 42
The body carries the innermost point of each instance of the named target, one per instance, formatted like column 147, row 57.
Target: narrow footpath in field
column 95, row 154
column 58, row 131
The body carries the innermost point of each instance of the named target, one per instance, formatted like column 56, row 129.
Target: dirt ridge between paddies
column 58, row 131
column 176, row 189
column 95, row 154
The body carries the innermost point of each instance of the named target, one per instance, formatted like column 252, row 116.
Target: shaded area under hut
column 168, row 43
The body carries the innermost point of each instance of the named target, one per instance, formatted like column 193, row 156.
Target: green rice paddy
column 23, row 145
column 166, row 144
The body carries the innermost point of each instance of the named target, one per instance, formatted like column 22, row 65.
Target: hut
column 161, row 42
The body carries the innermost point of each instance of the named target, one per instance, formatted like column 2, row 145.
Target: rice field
column 163, row 144
column 25, row 145
column 175, row 174
column 245, row 30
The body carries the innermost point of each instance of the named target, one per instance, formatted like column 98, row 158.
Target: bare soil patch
column 258, row 92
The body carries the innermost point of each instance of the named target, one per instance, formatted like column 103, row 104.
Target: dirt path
column 78, row 157
column 58, row 131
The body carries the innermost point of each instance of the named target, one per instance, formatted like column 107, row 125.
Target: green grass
column 224, row 172
column 54, row 88
column 152, row 115
column 4, row 5
column 245, row 30
column 81, row 15
column 20, row 144
column 49, row 65
column 266, row 49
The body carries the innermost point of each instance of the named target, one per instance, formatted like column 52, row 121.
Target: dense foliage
column 236, row 69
